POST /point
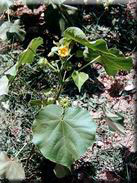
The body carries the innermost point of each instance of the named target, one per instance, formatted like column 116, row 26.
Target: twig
column 20, row 150
column 31, row 153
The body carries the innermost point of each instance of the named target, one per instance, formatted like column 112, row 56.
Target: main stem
column 62, row 82
column 58, row 94
column 62, row 79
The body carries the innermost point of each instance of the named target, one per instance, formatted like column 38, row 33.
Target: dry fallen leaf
column 4, row 85
column 11, row 169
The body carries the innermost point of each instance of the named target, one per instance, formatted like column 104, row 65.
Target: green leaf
column 4, row 88
column 115, row 121
column 79, row 79
column 61, row 171
column 115, row 52
column 5, row 4
column 114, row 64
column 63, row 135
column 77, row 35
column 9, row 30
column 27, row 56
column 112, row 60
column 98, row 45
column 89, row 54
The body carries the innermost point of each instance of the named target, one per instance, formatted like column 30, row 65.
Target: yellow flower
column 63, row 51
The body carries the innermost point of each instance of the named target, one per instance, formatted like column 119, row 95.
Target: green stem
column 59, row 92
column 52, row 67
column 91, row 62
column 64, row 76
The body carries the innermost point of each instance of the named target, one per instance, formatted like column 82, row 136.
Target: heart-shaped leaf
column 79, row 79
column 11, row 169
column 4, row 88
column 63, row 135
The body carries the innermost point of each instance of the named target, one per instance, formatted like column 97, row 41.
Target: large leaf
column 63, row 135
column 9, row 30
column 115, row 52
column 27, row 56
column 114, row 64
column 4, row 88
column 11, row 169
column 79, row 79
column 77, row 35
column 5, row 4
column 89, row 54
column 112, row 60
